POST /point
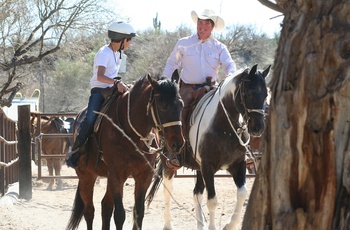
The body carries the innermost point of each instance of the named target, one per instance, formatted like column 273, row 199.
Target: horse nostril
column 177, row 146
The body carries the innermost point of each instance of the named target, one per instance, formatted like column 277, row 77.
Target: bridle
column 155, row 114
column 246, row 110
column 246, row 117
column 152, row 108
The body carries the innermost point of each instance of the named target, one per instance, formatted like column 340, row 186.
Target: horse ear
column 266, row 71
column 153, row 82
column 175, row 76
column 253, row 70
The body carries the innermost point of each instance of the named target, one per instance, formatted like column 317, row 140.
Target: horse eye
column 162, row 106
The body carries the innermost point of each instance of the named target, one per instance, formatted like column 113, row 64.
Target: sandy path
column 51, row 209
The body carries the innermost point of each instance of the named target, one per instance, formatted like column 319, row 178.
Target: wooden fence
column 8, row 152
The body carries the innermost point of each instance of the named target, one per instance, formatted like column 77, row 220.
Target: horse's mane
column 240, row 74
column 167, row 89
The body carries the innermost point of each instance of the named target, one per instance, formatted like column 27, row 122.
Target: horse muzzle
column 174, row 139
column 256, row 127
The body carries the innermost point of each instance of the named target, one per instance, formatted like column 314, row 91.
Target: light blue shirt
column 199, row 59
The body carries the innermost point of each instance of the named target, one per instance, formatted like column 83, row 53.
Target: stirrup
column 72, row 152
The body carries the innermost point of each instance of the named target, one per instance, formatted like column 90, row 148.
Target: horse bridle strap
column 261, row 111
column 233, row 128
column 150, row 136
column 165, row 125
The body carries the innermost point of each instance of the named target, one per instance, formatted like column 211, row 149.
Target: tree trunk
column 303, row 181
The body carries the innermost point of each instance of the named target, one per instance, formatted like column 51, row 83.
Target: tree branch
column 271, row 5
column 8, row 101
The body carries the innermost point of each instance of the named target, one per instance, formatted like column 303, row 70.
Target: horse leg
column 57, row 165
column 208, row 177
column 49, row 162
column 83, row 203
column 198, row 198
column 107, row 209
column 142, row 182
column 116, row 187
column 86, row 194
column 168, row 175
column 239, row 176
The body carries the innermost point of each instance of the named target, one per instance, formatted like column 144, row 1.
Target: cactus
column 156, row 24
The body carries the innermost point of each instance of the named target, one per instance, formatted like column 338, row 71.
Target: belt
column 196, row 86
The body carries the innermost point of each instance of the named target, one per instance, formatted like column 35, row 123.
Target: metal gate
column 37, row 147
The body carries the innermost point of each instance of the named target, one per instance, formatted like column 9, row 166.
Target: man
column 200, row 56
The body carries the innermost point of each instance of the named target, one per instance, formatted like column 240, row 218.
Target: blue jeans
column 86, row 127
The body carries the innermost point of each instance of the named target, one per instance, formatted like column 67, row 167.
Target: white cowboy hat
column 219, row 23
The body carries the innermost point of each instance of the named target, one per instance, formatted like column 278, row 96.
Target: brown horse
column 51, row 146
column 125, row 145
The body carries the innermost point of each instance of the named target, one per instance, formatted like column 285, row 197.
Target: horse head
column 251, row 96
column 164, row 110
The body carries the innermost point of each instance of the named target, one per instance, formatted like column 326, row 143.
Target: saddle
column 197, row 105
column 110, row 94
column 199, row 97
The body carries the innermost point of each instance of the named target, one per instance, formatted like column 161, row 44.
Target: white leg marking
column 212, row 203
column 199, row 211
column 168, row 189
column 236, row 217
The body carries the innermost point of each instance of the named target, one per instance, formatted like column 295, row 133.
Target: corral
column 52, row 208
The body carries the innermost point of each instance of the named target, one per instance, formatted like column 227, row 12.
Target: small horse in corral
column 218, row 141
column 124, row 145
column 51, row 146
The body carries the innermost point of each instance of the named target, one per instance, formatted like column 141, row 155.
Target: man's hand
column 122, row 88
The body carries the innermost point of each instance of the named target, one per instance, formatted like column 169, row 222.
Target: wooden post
column 24, row 150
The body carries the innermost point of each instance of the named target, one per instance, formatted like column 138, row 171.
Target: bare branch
column 271, row 5
column 13, row 91
column 33, row 29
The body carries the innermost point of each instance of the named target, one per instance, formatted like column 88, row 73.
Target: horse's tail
column 77, row 212
column 156, row 183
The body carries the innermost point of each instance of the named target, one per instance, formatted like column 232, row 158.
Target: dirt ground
column 51, row 209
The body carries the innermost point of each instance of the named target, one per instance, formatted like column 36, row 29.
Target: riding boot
column 74, row 155
column 186, row 94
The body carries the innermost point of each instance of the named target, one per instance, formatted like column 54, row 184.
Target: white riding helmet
column 120, row 30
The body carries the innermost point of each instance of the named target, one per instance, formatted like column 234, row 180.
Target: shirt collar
column 205, row 39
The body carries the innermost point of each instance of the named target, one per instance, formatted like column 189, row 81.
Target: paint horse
column 218, row 141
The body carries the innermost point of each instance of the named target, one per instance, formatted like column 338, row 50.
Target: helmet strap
column 121, row 48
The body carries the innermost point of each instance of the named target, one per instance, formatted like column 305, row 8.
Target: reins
column 150, row 136
column 239, row 131
column 200, row 120
column 147, row 140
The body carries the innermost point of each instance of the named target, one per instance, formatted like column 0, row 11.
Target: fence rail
column 8, row 152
